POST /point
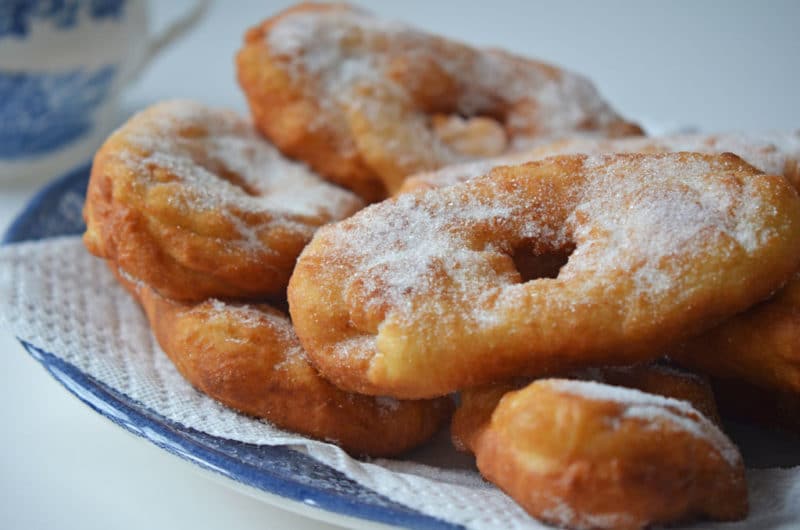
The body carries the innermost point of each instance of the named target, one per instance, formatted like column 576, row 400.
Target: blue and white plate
column 278, row 475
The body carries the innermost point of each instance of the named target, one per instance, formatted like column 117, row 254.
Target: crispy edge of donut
column 352, row 373
column 456, row 173
column 477, row 404
column 299, row 400
column 282, row 110
column 642, row 486
column 753, row 360
column 760, row 346
column 158, row 251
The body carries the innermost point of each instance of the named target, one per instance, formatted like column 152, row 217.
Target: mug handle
column 172, row 32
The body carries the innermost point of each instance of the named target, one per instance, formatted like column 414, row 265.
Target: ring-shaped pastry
column 477, row 404
column 587, row 455
column 367, row 102
column 247, row 357
column 192, row 201
column 660, row 247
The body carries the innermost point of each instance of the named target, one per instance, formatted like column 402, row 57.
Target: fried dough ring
column 663, row 246
column 366, row 102
column 774, row 154
column 196, row 204
column 749, row 355
column 248, row 358
column 588, row 455
column 477, row 404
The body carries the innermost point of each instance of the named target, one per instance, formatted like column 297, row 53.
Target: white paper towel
column 59, row 298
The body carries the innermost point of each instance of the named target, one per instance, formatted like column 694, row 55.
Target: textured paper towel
column 57, row 297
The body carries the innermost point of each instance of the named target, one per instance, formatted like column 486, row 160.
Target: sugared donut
column 759, row 348
column 773, row 153
column 420, row 295
column 247, row 357
column 476, row 405
column 586, row 455
column 366, row 102
column 195, row 203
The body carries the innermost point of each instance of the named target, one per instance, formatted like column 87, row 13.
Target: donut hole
column 221, row 171
column 470, row 123
column 237, row 180
column 533, row 264
column 474, row 136
column 217, row 166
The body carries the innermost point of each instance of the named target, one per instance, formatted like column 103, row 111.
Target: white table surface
column 718, row 65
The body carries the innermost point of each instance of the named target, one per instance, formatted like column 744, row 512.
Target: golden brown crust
column 357, row 97
column 283, row 108
column 193, row 202
column 757, row 350
column 474, row 412
column 587, row 455
column 477, row 404
column 663, row 246
column 773, row 153
column 759, row 347
column 663, row 380
column 248, row 358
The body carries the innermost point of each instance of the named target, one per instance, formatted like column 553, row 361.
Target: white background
column 716, row 65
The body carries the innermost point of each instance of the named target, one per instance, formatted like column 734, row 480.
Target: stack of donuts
column 406, row 223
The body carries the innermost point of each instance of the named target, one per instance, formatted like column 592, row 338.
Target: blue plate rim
column 189, row 444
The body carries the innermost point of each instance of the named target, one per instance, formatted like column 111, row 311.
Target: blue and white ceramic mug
column 63, row 66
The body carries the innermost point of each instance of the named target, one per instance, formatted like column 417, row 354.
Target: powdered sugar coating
column 420, row 242
column 641, row 214
column 680, row 216
column 196, row 204
column 775, row 153
column 661, row 411
column 563, row 514
column 326, row 44
column 372, row 90
column 659, row 243
column 226, row 166
column 251, row 316
column 588, row 455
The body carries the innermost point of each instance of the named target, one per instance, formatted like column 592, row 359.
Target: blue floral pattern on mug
column 41, row 112
column 17, row 16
